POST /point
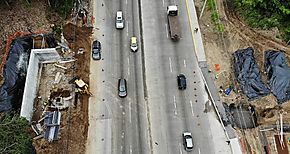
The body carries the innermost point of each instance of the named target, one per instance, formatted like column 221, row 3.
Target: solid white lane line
column 184, row 63
column 191, row 108
column 170, row 64
column 130, row 112
column 166, row 30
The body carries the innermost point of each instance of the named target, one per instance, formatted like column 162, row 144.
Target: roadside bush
column 62, row 7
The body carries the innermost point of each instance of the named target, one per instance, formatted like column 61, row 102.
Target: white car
column 187, row 141
column 119, row 20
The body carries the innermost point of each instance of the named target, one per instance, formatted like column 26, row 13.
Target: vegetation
column 62, row 7
column 215, row 17
column 14, row 136
column 266, row 14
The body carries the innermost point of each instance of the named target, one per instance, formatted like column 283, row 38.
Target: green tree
column 266, row 14
column 14, row 135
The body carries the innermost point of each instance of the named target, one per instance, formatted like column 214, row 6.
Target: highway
column 152, row 118
column 118, row 125
column 172, row 111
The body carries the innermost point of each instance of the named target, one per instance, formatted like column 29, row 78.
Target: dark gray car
column 96, row 50
column 181, row 81
column 122, row 87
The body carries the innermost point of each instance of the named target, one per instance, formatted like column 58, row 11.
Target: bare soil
column 74, row 121
column 219, row 48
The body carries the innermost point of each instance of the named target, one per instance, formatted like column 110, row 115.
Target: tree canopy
column 266, row 14
column 14, row 135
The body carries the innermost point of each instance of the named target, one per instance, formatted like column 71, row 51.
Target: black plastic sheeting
column 278, row 73
column 248, row 74
column 15, row 69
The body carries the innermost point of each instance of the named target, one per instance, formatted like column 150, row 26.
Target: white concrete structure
column 37, row 56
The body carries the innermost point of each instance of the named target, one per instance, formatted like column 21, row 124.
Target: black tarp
column 11, row 92
column 278, row 75
column 248, row 74
column 14, row 74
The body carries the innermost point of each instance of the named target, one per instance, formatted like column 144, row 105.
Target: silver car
column 96, row 50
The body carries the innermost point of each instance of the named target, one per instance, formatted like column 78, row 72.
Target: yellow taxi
column 134, row 44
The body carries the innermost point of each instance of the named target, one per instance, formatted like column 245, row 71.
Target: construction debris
column 52, row 123
column 59, row 66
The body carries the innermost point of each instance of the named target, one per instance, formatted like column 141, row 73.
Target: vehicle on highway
column 96, row 50
column 187, row 141
column 181, row 82
column 122, row 87
column 173, row 23
column 134, row 44
column 120, row 20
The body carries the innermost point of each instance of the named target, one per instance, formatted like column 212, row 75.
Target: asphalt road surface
column 172, row 111
column 152, row 118
column 117, row 125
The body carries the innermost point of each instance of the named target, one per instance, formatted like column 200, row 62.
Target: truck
column 173, row 23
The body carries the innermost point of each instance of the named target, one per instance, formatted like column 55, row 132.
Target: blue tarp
column 248, row 74
column 278, row 75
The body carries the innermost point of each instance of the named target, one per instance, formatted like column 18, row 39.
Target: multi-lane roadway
column 153, row 116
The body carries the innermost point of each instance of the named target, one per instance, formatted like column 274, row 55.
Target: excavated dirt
column 219, row 49
column 74, row 120
column 237, row 35
column 20, row 16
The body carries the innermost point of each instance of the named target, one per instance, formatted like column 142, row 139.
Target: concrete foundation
column 37, row 56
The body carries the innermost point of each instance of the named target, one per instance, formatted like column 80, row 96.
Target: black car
column 122, row 87
column 181, row 82
column 96, row 50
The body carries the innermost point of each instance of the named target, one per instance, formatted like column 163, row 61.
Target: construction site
column 263, row 123
column 56, row 91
